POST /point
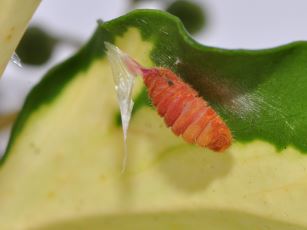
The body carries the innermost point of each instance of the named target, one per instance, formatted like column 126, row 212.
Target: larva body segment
column 184, row 111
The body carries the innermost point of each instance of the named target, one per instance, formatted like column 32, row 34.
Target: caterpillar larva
column 185, row 111
column 178, row 103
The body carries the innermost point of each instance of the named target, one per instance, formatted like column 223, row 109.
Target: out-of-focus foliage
column 15, row 15
column 190, row 13
column 36, row 46
column 7, row 119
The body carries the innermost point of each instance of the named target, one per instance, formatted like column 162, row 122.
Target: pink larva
column 184, row 111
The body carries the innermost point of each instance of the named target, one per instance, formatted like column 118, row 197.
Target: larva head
column 135, row 68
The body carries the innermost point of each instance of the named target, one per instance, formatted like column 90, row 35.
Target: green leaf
column 65, row 152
